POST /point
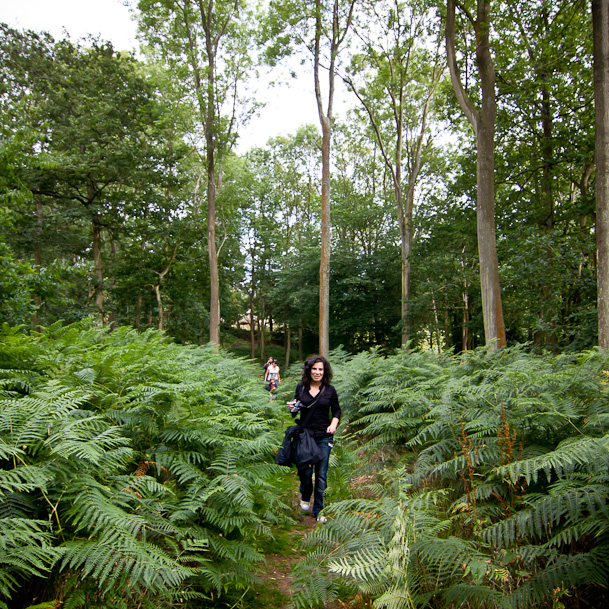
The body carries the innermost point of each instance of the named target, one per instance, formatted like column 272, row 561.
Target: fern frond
column 89, row 440
column 570, row 453
column 25, row 551
column 564, row 572
column 22, row 479
column 461, row 595
column 107, row 562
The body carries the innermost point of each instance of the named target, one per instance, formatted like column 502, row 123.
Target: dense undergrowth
column 133, row 472
column 491, row 483
column 139, row 473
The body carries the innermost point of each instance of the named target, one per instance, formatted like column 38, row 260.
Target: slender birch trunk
column 600, row 39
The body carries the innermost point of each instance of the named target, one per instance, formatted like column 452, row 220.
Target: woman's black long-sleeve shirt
column 326, row 409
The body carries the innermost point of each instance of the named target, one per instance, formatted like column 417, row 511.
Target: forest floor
column 276, row 573
column 281, row 557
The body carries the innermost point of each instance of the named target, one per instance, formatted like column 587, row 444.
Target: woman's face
column 317, row 372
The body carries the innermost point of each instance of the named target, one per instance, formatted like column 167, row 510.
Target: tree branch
column 464, row 101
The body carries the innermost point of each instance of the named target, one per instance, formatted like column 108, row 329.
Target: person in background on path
column 271, row 376
column 268, row 363
column 323, row 421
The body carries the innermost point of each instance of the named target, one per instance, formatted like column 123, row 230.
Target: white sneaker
column 322, row 519
column 305, row 506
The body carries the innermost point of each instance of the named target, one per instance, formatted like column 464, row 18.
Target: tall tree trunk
column 157, row 288
column 138, row 311
column 159, row 305
column 406, row 249
column 409, row 208
column 261, row 329
column 37, row 257
column 98, row 264
column 214, row 281
column 437, row 332
column 38, row 243
column 300, row 350
column 98, row 267
column 207, row 110
column 483, row 123
column 405, row 205
column 325, row 119
column 112, row 284
column 600, row 38
column 494, row 329
column 252, row 324
column 288, row 345
column 403, row 217
column 324, row 265
column 465, row 321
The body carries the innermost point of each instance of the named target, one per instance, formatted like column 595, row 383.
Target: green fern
column 25, row 551
column 152, row 461
column 507, row 498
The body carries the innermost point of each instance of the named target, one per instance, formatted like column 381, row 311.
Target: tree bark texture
column 207, row 109
column 210, row 120
column 112, row 284
column 157, row 288
column 288, row 345
column 324, row 265
column 98, row 266
column 600, row 38
column 37, row 255
column 252, row 320
column 407, row 214
column 325, row 120
column 300, row 349
column 138, row 311
column 214, row 280
column 261, row 330
column 483, row 123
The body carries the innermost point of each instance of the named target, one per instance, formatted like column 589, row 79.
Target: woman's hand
column 333, row 425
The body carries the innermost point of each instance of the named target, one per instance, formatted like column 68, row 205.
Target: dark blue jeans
column 321, row 477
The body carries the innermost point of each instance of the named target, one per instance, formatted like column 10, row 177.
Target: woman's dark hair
column 311, row 361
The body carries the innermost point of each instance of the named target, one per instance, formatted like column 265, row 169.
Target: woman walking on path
column 315, row 390
column 271, row 376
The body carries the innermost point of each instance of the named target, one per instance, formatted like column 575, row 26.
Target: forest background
column 451, row 211
column 106, row 185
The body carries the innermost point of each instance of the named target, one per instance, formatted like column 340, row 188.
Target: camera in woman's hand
column 295, row 406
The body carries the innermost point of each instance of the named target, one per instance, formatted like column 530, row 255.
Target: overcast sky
column 287, row 107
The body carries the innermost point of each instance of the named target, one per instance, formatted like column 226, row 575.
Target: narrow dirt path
column 276, row 573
